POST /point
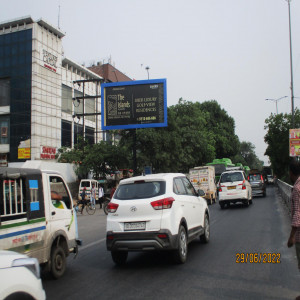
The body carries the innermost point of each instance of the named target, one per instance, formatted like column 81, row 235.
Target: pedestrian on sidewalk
column 93, row 196
column 100, row 195
column 294, row 238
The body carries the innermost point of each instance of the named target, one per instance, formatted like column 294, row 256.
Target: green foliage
column 222, row 126
column 100, row 159
column 277, row 139
column 196, row 134
column 247, row 157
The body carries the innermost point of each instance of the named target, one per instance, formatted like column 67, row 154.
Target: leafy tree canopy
column 196, row 134
column 277, row 139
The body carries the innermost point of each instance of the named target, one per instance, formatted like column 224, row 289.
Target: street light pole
column 291, row 64
column 147, row 68
column 276, row 100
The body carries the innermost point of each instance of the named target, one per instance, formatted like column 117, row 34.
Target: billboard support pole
column 134, row 153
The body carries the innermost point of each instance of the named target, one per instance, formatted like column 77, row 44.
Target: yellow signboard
column 294, row 142
column 23, row 153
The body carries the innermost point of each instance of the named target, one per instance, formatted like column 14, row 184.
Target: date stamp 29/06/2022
column 258, row 258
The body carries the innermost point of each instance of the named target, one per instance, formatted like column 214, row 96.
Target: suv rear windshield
column 140, row 190
column 254, row 177
column 231, row 177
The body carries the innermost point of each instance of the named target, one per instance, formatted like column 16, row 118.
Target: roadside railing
column 285, row 190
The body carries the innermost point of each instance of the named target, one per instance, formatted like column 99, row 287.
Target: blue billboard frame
column 134, row 125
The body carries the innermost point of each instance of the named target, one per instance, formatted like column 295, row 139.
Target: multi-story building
column 40, row 93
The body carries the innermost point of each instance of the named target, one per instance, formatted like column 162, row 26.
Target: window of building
column 78, row 131
column 66, row 134
column 4, row 92
column 4, row 130
column 66, row 99
column 78, row 104
column 90, row 135
column 90, row 109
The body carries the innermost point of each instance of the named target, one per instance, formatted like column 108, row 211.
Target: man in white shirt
column 101, row 195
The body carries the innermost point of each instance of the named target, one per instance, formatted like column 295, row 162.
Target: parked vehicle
column 258, row 183
column 234, row 188
column 156, row 212
column 36, row 216
column 20, row 277
column 204, row 178
column 88, row 183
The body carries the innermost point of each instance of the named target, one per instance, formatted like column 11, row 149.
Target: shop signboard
column 134, row 104
column 23, row 153
column 294, row 142
column 48, row 152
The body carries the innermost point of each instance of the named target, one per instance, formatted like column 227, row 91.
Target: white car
column 20, row 277
column 234, row 188
column 156, row 212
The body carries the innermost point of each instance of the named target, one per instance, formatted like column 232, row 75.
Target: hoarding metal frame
column 133, row 83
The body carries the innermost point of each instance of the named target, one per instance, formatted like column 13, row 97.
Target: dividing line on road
column 91, row 244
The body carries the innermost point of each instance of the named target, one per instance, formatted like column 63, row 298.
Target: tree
column 222, row 126
column 247, row 156
column 100, row 159
column 277, row 139
column 196, row 134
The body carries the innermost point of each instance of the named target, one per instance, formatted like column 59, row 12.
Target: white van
column 37, row 217
column 88, row 183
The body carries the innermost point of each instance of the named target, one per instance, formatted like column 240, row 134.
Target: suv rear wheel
column 204, row 238
column 180, row 253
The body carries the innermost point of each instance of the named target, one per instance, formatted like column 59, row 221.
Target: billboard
column 294, row 142
column 134, row 104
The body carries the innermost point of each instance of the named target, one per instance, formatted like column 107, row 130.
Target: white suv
column 20, row 277
column 234, row 188
column 156, row 212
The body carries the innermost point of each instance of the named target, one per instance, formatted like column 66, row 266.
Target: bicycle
column 104, row 205
column 90, row 209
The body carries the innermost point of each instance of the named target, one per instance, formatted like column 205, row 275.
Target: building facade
column 46, row 99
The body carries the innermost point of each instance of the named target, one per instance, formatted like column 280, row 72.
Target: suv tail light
column 243, row 185
column 262, row 179
column 112, row 207
column 165, row 203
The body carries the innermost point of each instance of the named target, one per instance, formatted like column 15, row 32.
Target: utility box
column 204, row 178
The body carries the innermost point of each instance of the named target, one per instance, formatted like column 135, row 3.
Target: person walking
column 82, row 201
column 294, row 239
column 93, row 196
column 101, row 195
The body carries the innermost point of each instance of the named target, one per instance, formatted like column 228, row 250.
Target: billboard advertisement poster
column 294, row 142
column 23, row 153
column 134, row 104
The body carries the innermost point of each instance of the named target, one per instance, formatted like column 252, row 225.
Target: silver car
column 258, row 184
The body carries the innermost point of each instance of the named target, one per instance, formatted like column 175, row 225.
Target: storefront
column 37, row 92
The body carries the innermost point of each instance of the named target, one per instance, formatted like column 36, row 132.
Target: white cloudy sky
column 233, row 51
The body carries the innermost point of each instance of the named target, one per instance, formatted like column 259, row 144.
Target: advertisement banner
column 294, row 142
column 23, row 153
column 134, row 104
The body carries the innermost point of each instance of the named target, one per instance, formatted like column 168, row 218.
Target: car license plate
column 231, row 187
column 135, row 226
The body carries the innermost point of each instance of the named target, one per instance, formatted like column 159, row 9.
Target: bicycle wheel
column 89, row 209
column 105, row 207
